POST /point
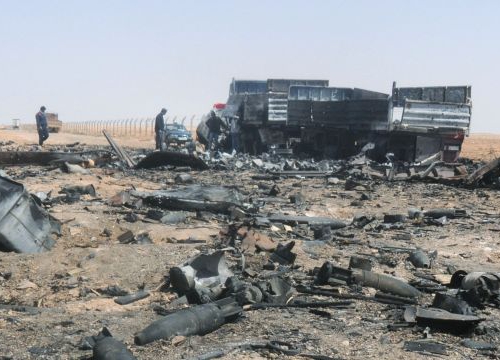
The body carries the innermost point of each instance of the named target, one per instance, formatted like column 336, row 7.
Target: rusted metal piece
column 124, row 157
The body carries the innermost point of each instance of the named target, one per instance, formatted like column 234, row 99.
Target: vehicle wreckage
column 311, row 117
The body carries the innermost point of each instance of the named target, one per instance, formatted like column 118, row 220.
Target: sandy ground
column 31, row 138
column 64, row 282
column 482, row 147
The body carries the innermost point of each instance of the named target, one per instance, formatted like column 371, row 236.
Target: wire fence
column 143, row 127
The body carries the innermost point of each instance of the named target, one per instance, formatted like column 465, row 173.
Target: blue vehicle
column 177, row 134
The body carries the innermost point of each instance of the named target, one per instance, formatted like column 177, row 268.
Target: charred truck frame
column 310, row 117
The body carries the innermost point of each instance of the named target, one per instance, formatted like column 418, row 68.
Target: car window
column 176, row 127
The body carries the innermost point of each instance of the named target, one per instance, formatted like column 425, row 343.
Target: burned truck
column 310, row 117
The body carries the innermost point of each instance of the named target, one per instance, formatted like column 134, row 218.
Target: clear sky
column 93, row 60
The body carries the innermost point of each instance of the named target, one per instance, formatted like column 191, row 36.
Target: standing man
column 41, row 126
column 235, row 133
column 160, row 129
column 214, row 124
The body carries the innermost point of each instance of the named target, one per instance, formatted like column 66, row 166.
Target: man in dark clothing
column 214, row 124
column 41, row 126
column 160, row 129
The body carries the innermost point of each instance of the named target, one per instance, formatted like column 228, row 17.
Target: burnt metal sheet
column 25, row 227
column 433, row 115
column 215, row 199
column 355, row 114
column 255, row 109
column 172, row 158
column 299, row 112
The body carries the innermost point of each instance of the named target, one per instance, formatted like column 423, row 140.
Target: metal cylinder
column 198, row 320
column 385, row 283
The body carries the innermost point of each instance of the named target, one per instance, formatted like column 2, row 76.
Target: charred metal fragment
column 41, row 158
column 478, row 345
column 283, row 254
column 124, row 157
column 451, row 304
column 448, row 213
column 394, row 218
column 197, row 320
column 419, row 259
column 164, row 158
column 426, row 347
column 356, row 262
column 479, row 288
column 310, row 220
column 275, row 290
column 108, row 348
column 201, row 278
column 128, row 299
column 25, row 227
column 485, row 174
column 440, row 319
column 215, row 199
column 79, row 189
